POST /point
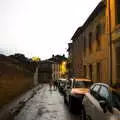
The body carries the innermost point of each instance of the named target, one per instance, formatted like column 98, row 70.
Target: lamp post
column 110, row 42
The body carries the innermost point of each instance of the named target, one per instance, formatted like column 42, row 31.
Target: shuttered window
column 85, row 70
column 90, row 42
column 84, row 46
column 98, row 72
column 118, row 63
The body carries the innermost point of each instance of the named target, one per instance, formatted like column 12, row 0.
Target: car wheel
column 83, row 115
column 88, row 118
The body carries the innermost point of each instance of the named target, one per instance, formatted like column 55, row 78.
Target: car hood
column 79, row 90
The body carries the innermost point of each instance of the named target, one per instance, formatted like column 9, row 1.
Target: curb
column 12, row 109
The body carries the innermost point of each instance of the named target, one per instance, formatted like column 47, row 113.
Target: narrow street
column 46, row 105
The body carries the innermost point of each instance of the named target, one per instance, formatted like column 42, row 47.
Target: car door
column 69, row 87
column 101, row 96
column 106, row 97
column 90, row 102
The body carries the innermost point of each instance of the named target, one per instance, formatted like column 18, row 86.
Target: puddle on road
column 44, row 110
column 51, row 104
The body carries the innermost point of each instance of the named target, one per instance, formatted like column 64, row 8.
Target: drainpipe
column 110, row 42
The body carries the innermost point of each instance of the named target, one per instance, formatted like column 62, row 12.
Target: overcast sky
column 41, row 27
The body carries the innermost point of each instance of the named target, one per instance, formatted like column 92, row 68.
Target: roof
column 69, row 46
column 58, row 58
column 76, row 34
column 96, row 11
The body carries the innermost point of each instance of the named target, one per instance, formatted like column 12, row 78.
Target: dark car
column 61, row 84
column 74, row 93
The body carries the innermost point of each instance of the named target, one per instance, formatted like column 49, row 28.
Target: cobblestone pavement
column 46, row 105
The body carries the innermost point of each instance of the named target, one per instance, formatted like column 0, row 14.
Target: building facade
column 96, row 44
column 69, row 61
column 45, row 71
column 113, row 35
column 61, row 66
column 77, row 53
column 95, row 56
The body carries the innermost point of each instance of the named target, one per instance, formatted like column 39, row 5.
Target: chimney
column 63, row 55
column 52, row 56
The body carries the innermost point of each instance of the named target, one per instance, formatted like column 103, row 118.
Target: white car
column 74, row 92
column 101, row 103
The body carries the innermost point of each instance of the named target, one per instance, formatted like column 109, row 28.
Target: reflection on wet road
column 46, row 105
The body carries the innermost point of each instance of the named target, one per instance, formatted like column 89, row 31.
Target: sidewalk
column 14, row 107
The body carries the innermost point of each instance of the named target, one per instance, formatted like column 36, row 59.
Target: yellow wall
column 115, row 33
column 100, row 55
column 63, row 68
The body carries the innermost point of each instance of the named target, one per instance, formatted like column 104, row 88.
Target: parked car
column 74, row 93
column 61, row 84
column 102, row 102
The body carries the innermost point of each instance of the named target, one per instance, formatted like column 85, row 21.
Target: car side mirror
column 110, row 108
column 106, row 106
column 103, row 105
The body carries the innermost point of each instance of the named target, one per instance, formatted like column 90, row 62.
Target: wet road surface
column 46, row 105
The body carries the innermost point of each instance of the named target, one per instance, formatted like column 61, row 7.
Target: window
column 118, row 63
column 90, row 41
column 82, row 84
column 90, row 72
column 84, row 46
column 98, row 71
column 104, row 92
column 98, row 32
column 103, row 28
column 118, row 11
column 85, row 70
column 77, row 42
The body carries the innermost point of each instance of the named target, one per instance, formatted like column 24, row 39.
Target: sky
column 41, row 27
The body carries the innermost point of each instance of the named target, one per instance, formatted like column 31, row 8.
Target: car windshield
column 82, row 84
column 116, row 99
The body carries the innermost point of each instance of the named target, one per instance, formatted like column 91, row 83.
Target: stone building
column 90, row 47
column 113, row 35
column 45, row 71
column 77, row 53
column 61, row 68
column 97, row 44
column 70, row 61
